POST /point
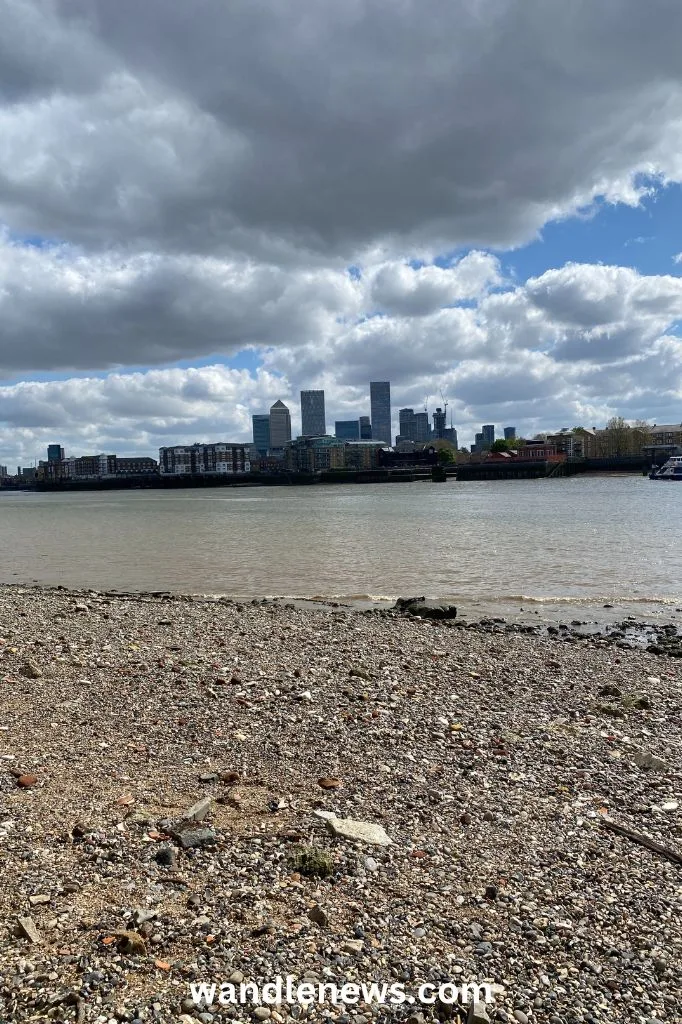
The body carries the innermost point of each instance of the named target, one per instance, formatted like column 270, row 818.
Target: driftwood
column 637, row 837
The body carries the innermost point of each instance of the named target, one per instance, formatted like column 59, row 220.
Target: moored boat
column 670, row 470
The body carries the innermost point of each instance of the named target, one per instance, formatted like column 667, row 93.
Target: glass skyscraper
column 365, row 428
column 313, row 420
column 348, row 430
column 261, row 432
column 380, row 408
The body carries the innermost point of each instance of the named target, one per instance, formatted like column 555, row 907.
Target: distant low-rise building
column 135, row 466
column 203, row 459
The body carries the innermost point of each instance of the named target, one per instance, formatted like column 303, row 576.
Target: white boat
column 670, row 470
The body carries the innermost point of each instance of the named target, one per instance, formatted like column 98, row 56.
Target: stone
column 426, row 608
column 28, row 929
column 30, row 670
column 363, row 831
column 27, row 781
column 38, row 899
column 318, row 915
column 262, row 1013
column 477, row 1013
column 197, row 837
column 141, row 916
column 610, row 690
column 197, row 812
column 645, row 759
column 329, row 782
column 130, row 942
column 520, row 1016
column 352, row 946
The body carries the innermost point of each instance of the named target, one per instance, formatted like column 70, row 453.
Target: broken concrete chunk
column 363, row 831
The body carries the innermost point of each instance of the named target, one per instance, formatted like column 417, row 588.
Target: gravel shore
column 493, row 760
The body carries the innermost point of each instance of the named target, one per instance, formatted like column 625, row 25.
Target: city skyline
column 173, row 262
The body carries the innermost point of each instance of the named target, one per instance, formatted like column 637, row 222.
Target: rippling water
column 577, row 540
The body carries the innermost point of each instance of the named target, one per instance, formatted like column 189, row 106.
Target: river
column 578, row 541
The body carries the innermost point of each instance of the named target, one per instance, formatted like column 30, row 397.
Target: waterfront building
column 380, row 408
column 260, row 424
column 347, row 430
column 203, row 459
column 55, row 453
column 666, row 434
column 313, row 454
column 313, row 420
column 510, row 433
column 280, row 425
column 362, row 454
column 450, row 434
column 365, row 428
column 135, row 465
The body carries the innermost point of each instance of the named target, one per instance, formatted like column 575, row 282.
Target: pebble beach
column 204, row 790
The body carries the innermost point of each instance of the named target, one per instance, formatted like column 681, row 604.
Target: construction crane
column 445, row 403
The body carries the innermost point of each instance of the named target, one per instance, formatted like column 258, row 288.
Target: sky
column 207, row 207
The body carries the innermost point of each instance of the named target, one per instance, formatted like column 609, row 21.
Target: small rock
column 38, row 899
column 198, row 811
column 318, row 915
column 352, row 946
column 477, row 1013
column 329, row 782
column 645, row 759
column 28, row 929
column 30, row 670
column 262, row 1013
column 26, row 781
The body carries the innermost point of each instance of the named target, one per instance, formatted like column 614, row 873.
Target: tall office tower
column 509, row 433
column 439, row 423
column 280, row 425
column 261, row 432
column 488, row 431
column 407, row 428
column 55, row 453
column 313, row 421
column 365, row 428
column 380, row 406
column 422, row 430
column 347, row 430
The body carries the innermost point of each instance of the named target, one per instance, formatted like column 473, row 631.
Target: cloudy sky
column 207, row 206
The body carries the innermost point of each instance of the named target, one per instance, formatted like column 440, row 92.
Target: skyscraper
column 509, row 433
column 261, row 432
column 439, row 423
column 380, row 407
column 488, row 431
column 348, row 430
column 280, row 425
column 422, row 430
column 313, row 421
column 406, row 425
column 365, row 428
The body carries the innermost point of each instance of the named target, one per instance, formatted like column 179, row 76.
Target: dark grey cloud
column 269, row 125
